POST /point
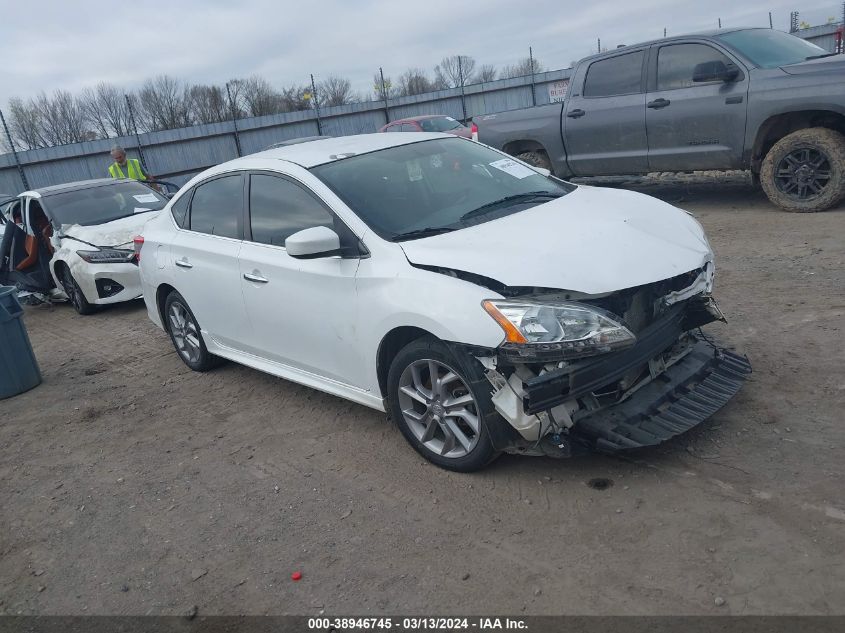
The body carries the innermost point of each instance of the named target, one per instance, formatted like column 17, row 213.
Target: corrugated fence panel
column 176, row 155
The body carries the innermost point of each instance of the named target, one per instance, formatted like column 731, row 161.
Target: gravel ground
column 130, row 485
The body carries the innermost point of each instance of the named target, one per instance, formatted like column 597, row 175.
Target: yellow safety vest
column 133, row 167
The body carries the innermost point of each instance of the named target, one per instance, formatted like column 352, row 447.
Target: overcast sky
column 71, row 45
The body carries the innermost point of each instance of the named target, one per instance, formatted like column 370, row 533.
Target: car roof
column 421, row 117
column 45, row 192
column 315, row 153
column 708, row 33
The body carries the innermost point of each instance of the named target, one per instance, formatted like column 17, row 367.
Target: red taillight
column 138, row 242
column 474, row 131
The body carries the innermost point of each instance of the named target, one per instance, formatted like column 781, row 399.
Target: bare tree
column 105, row 107
column 255, row 96
column 293, row 98
column 381, row 93
column 522, row 68
column 25, row 124
column 163, row 104
column 208, row 104
column 61, row 118
column 454, row 71
column 335, row 91
column 414, row 81
column 485, row 73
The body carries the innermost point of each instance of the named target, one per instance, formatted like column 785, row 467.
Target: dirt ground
column 130, row 485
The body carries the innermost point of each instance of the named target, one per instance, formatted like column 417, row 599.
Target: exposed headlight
column 108, row 256
column 557, row 330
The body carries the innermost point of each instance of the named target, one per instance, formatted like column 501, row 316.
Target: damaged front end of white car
column 627, row 369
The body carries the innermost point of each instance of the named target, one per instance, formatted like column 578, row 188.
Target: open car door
column 25, row 250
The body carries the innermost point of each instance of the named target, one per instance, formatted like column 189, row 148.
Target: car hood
column 115, row 233
column 832, row 64
column 591, row 241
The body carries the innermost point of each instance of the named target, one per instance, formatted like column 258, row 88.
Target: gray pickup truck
column 755, row 99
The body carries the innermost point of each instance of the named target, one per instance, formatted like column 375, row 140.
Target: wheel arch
column 525, row 145
column 779, row 125
column 162, row 292
column 389, row 347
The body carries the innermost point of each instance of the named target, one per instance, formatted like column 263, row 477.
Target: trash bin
column 18, row 368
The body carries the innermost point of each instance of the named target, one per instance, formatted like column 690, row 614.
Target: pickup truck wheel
column 538, row 159
column 804, row 172
column 442, row 405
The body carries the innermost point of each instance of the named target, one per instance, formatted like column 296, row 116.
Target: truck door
column 604, row 118
column 695, row 108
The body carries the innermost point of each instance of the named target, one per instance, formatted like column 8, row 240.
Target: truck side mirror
column 715, row 71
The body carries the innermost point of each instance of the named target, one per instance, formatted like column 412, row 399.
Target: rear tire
column 74, row 293
column 537, row 159
column 445, row 419
column 186, row 336
column 804, row 172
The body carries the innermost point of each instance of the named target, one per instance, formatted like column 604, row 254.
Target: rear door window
column 620, row 75
column 217, row 207
column 179, row 210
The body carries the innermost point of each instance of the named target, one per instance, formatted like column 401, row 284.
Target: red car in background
column 430, row 123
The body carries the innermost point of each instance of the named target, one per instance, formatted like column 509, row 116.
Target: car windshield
column 435, row 186
column 768, row 48
column 439, row 124
column 98, row 205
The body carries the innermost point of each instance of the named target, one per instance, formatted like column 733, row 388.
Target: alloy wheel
column 439, row 408
column 803, row 173
column 184, row 332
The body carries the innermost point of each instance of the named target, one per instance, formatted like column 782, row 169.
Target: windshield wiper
column 418, row 233
column 517, row 197
column 806, row 59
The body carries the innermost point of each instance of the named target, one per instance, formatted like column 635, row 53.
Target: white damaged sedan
column 74, row 241
column 487, row 306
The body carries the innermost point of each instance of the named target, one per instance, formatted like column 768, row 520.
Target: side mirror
column 715, row 71
column 318, row 241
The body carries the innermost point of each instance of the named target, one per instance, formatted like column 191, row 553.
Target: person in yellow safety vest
column 123, row 167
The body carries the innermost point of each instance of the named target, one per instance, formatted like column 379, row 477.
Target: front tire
column 537, row 159
column 74, row 293
column 442, row 405
column 185, row 334
column 804, row 172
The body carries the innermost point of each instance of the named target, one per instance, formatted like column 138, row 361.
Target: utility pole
column 533, row 86
column 316, row 105
column 135, row 128
column 770, row 20
column 793, row 21
column 14, row 152
column 664, row 31
column 720, row 22
column 461, row 77
column 234, row 121
column 598, row 44
column 384, row 96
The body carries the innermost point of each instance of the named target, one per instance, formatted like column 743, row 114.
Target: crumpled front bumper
column 683, row 396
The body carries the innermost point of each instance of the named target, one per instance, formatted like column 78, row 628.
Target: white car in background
column 485, row 305
column 74, row 241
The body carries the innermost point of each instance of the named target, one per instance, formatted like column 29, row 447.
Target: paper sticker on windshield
column 414, row 170
column 513, row 168
column 146, row 197
column 141, row 209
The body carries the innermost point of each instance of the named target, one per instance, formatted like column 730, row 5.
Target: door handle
column 256, row 278
column 574, row 114
column 733, row 100
column 658, row 103
column 184, row 263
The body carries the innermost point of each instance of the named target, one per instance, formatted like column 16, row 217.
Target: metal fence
column 178, row 154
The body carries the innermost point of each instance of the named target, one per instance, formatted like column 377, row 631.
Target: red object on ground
column 297, row 575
